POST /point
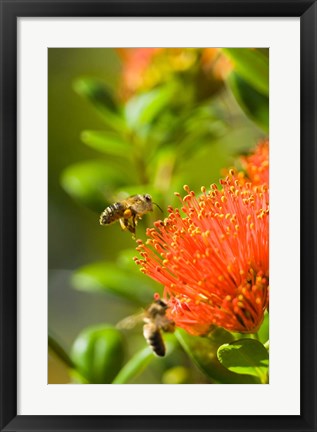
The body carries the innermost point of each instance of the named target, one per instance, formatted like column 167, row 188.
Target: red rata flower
column 214, row 262
column 257, row 164
column 146, row 68
column 136, row 61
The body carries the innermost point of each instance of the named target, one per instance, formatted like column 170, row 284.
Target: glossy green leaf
column 245, row 356
column 252, row 65
column 125, row 260
column 103, row 100
column 98, row 353
column 126, row 263
column 197, row 128
column 93, row 183
column 254, row 104
column 134, row 366
column 103, row 276
column 107, row 142
column 142, row 109
column 203, row 352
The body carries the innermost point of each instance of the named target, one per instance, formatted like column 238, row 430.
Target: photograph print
column 158, row 226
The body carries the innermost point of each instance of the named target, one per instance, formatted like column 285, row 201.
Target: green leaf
column 245, row 356
column 102, row 99
column 135, row 366
column 102, row 276
column 254, row 104
column 197, row 128
column 203, row 352
column 126, row 263
column 107, row 142
column 143, row 109
column 98, row 353
column 125, row 259
column 93, row 183
column 252, row 65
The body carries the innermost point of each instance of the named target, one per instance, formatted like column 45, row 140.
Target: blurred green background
column 203, row 130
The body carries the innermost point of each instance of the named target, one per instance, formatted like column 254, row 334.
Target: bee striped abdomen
column 154, row 338
column 112, row 213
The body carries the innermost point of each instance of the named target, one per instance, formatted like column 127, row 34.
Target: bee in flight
column 128, row 211
column 155, row 321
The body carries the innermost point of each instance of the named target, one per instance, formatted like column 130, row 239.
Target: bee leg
column 131, row 223
column 123, row 224
column 135, row 218
column 126, row 225
column 131, row 228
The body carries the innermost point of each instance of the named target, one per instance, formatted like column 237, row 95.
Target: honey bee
column 128, row 211
column 155, row 321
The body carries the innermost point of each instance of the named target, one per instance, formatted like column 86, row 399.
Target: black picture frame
column 10, row 11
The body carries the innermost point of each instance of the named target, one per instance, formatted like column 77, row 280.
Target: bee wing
column 130, row 321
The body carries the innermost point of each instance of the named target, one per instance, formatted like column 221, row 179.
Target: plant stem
column 138, row 157
column 165, row 174
column 141, row 169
